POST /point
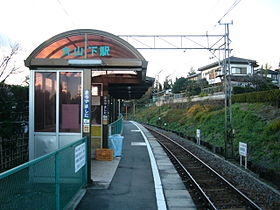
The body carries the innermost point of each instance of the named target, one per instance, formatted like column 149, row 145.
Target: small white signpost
column 198, row 136
column 80, row 156
column 243, row 153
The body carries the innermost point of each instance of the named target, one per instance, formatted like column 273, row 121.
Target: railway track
column 208, row 189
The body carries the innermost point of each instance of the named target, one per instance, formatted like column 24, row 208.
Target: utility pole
column 229, row 131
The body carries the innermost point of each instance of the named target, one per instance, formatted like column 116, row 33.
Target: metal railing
column 13, row 133
column 116, row 126
column 48, row 182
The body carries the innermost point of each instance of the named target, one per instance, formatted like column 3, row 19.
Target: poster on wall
column 70, row 116
column 80, row 156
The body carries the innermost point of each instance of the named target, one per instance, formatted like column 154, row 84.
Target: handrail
column 116, row 126
column 32, row 162
column 46, row 176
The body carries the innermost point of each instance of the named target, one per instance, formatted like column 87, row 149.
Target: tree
column 179, row 85
column 264, row 69
column 261, row 83
column 167, row 84
column 7, row 61
column 191, row 72
column 266, row 66
column 195, row 87
column 145, row 99
column 159, row 87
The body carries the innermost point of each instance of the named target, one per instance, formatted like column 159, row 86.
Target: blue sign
column 80, row 51
column 86, row 104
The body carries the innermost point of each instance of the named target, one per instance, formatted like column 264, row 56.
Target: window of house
column 213, row 74
column 274, row 77
column 239, row 70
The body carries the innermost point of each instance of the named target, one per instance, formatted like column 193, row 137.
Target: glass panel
column 96, row 89
column 75, row 47
column 45, row 101
column 239, row 70
column 70, row 102
column 96, row 115
column 70, row 47
column 243, row 70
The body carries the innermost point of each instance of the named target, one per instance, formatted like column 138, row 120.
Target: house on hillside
column 194, row 77
column 240, row 69
column 273, row 75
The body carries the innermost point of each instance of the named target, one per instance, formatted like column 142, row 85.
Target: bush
column 274, row 126
column 13, row 109
column 256, row 97
column 203, row 94
column 239, row 90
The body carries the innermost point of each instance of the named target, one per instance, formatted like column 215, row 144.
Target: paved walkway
column 132, row 186
column 143, row 178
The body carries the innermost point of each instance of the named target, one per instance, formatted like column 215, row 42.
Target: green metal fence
column 116, row 126
column 13, row 132
column 48, row 182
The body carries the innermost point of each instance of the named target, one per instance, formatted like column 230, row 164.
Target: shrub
column 274, row 126
column 255, row 97
column 194, row 109
column 203, row 94
column 239, row 90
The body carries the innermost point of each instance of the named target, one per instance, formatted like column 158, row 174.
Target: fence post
column 57, row 181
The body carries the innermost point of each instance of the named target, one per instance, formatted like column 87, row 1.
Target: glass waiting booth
column 75, row 77
column 55, row 115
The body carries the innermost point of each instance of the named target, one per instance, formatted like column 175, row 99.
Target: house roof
column 232, row 59
column 194, row 75
column 267, row 71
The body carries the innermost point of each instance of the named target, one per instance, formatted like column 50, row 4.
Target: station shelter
column 78, row 80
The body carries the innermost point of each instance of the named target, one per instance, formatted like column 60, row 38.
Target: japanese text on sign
column 86, row 104
column 80, row 156
column 92, row 50
column 242, row 149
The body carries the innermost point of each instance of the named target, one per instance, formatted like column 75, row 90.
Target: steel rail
column 252, row 203
column 191, row 177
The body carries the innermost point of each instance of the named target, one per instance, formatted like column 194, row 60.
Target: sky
column 254, row 33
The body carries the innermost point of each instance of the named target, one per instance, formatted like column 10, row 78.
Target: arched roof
column 86, row 44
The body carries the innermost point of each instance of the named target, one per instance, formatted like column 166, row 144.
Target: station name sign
column 85, row 46
column 101, row 51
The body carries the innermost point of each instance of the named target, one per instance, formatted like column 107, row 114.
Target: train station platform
column 143, row 178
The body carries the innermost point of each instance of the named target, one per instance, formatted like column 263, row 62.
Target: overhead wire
column 235, row 3
column 230, row 9
column 65, row 11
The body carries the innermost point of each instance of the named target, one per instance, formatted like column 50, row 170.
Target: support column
column 87, row 86
column 227, row 90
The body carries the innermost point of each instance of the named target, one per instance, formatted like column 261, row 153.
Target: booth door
column 57, row 110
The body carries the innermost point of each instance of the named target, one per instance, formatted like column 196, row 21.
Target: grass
column 258, row 128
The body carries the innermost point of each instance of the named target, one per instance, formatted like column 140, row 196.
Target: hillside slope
column 257, row 124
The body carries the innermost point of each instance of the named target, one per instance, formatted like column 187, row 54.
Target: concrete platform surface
column 143, row 178
column 102, row 173
column 132, row 186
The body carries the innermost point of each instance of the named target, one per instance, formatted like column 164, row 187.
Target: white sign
column 198, row 136
column 80, row 156
column 198, row 133
column 242, row 149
